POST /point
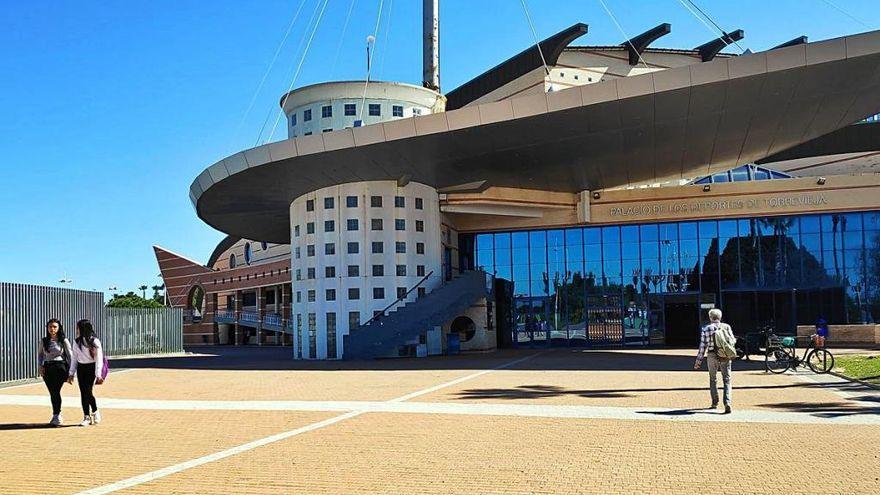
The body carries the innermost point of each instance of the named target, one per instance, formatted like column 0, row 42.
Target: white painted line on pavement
column 161, row 473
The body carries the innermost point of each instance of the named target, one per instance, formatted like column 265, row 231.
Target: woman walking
column 88, row 363
column 54, row 356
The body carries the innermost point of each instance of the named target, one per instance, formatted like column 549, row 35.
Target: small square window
column 420, row 248
column 327, row 130
column 417, row 111
column 299, row 274
column 375, row 110
column 420, row 226
column 353, row 248
column 296, row 252
column 354, row 294
column 376, row 201
column 307, row 133
column 310, row 295
column 328, row 203
column 329, row 248
column 400, row 247
column 396, row 111
column 310, row 205
column 378, row 248
column 310, row 228
column 330, row 294
column 354, row 319
column 399, row 224
column 399, row 202
column 351, row 224
column 310, row 250
column 329, row 272
column 351, row 201
column 350, row 109
column 401, row 270
column 329, row 226
column 376, row 224
column 420, row 270
column 354, row 270
column 421, row 291
column 378, row 293
column 307, row 115
column 292, row 119
column 326, row 111
column 378, row 270
column 310, row 273
column 299, row 296
column 296, row 230
column 419, row 204
column 401, row 292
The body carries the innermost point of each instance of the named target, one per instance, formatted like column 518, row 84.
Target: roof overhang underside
column 677, row 123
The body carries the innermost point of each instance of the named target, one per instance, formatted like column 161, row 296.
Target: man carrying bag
column 718, row 344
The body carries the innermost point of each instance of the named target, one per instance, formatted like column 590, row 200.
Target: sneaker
column 96, row 417
column 55, row 421
column 87, row 420
column 714, row 405
column 726, row 409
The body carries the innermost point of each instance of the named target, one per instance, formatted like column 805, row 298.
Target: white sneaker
column 56, row 420
column 87, row 420
column 96, row 417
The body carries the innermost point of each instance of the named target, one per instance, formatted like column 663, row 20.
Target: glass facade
column 651, row 283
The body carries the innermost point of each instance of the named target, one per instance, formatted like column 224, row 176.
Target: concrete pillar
column 285, row 311
column 237, row 315
column 211, row 307
column 261, row 313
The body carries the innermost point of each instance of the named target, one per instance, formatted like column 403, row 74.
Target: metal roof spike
column 638, row 44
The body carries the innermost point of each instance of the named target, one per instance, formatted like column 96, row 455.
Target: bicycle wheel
column 820, row 361
column 777, row 360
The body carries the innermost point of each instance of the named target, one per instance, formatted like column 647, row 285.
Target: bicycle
column 782, row 355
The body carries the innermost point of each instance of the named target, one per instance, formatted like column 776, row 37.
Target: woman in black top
column 53, row 357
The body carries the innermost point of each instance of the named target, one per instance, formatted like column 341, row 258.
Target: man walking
column 717, row 343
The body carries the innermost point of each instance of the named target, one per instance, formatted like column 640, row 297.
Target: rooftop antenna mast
column 431, row 44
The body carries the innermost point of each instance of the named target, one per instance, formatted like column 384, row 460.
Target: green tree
column 143, row 290
column 132, row 300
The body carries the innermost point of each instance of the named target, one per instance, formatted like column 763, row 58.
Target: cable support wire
column 537, row 42
column 298, row 68
column 724, row 34
column 299, row 46
column 837, row 8
column 387, row 44
column 625, row 36
column 370, row 58
column 341, row 38
column 269, row 69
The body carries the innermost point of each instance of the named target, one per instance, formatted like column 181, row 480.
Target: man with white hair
column 716, row 341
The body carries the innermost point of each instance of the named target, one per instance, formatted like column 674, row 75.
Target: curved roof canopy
column 676, row 123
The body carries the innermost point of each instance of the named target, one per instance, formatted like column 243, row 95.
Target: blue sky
column 108, row 110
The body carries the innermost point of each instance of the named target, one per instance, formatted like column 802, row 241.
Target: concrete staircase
column 384, row 336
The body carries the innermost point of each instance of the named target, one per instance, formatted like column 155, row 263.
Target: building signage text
column 718, row 205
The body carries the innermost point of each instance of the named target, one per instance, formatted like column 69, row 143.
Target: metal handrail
column 401, row 298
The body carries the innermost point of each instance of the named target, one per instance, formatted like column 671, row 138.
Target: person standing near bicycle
column 718, row 344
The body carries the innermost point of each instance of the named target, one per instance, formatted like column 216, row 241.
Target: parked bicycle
column 782, row 355
column 753, row 343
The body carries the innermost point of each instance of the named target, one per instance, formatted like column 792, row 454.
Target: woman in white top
column 53, row 357
column 88, row 361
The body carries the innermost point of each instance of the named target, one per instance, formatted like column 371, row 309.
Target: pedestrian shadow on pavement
column 31, row 426
column 683, row 412
column 547, row 391
column 829, row 409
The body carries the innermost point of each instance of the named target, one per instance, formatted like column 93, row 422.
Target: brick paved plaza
column 560, row 421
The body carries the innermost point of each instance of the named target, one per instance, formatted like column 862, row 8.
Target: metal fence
column 24, row 310
column 130, row 331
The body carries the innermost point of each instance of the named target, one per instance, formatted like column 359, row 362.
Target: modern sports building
column 606, row 198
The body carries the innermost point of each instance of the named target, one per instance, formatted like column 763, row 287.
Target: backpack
column 724, row 341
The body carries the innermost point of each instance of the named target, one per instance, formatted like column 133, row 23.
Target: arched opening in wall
column 195, row 303
column 464, row 327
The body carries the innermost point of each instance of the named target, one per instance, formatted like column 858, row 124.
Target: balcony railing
column 272, row 319
column 224, row 316
column 250, row 316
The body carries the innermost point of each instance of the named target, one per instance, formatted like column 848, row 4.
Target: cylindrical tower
column 357, row 247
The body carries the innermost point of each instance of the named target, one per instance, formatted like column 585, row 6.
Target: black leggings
column 54, row 375
column 86, row 380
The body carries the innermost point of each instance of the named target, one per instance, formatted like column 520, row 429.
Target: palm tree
column 143, row 290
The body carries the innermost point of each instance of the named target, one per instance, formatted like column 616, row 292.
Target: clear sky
column 109, row 110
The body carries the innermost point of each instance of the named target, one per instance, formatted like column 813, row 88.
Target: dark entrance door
column 682, row 315
column 504, row 312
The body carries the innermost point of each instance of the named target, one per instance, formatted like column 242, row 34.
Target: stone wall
column 842, row 335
